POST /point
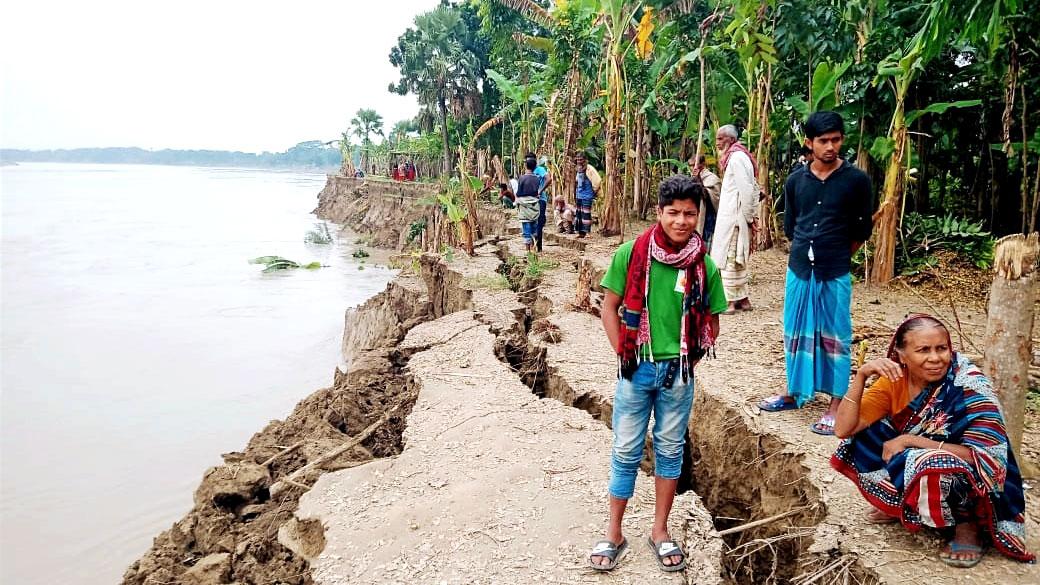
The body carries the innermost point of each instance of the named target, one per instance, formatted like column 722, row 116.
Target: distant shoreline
column 312, row 155
column 294, row 169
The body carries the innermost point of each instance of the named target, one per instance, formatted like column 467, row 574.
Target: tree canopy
column 935, row 96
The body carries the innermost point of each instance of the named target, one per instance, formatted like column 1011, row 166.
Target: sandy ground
column 494, row 485
column 497, row 485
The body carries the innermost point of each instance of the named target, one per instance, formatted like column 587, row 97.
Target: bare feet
column 875, row 516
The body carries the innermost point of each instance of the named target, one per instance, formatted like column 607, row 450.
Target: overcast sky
column 224, row 74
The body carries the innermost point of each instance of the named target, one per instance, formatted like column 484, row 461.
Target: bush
column 924, row 235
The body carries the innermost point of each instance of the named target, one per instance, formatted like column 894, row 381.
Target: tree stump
column 1009, row 327
column 582, row 297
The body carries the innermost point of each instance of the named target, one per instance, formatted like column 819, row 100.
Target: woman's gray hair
column 729, row 130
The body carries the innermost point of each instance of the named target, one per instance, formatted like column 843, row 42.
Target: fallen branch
column 284, row 451
column 758, row 523
column 279, row 485
column 963, row 338
column 842, row 563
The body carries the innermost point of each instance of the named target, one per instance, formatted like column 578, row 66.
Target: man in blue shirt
column 586, row 185
column 544, row 182
column 827, row 218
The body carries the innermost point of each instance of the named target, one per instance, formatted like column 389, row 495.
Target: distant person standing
column 585, row 190
column 409, row 171
column 527, row 203
column 805, row 158
column 828, row 217
column 545, row 180
column 710, row 206
column 735, row 224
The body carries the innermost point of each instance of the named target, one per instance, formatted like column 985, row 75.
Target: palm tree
column 365, row 123
column 437, row 65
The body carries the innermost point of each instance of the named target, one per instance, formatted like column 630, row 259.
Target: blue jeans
column 633, row 402
column 530, row 229
column 541, row 222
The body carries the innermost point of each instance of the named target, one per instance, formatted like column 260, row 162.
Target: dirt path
column 494, row 485
column 457, row 506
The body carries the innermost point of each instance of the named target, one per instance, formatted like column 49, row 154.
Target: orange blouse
column 883, row 398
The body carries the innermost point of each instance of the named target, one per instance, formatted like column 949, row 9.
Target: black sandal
column 665, row 549
column 608, row 550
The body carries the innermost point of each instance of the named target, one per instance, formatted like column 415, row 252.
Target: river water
column 138, row 344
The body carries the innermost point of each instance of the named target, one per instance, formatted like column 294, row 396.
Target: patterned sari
column 929, row 487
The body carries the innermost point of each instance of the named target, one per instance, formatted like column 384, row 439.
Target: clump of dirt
column 547, row 331
column 232, row 533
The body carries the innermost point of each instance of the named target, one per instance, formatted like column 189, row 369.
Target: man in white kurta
column 738, row 209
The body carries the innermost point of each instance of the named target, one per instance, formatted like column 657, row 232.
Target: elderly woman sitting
column 926, row 446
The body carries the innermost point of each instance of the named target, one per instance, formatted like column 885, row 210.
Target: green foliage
column 923, row 235
column 274, row 263
column 416, row 229
column 319, row 235
column 450, row 199
column 360, row 253
column 536, row 267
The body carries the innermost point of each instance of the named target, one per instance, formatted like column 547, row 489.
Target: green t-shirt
column 665, row 299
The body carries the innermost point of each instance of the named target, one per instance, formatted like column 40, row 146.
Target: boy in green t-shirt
column 660, row 312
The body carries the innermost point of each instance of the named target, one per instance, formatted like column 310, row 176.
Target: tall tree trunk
column 769, row 227
column 570, row 132
column 701, row 117
column 611, row 220
column 1009, row 328
column 888, row 216
column 444, row 136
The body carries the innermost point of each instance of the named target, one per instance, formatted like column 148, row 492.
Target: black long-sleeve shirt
column 826, row 217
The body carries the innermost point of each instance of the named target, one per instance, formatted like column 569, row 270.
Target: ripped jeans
column 634, row 400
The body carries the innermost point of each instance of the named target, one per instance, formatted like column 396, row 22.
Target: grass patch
column 489, row 282
column 524, row 274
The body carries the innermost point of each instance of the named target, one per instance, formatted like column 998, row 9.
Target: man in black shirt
column 827, row 218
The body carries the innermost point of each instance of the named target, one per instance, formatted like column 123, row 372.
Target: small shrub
column 416, row 229
column 924, row 235
column 360, row 253
column 319, row 235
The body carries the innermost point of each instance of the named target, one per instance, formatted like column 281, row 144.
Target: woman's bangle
column 940, row 447
column 850, row 400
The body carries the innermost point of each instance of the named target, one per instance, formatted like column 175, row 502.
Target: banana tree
column 751, row 37
column 941, row 22
column 616, row 17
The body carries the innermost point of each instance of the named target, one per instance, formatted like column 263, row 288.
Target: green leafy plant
column 360, row 253
column 537, row 267
column 274, row 263
column 319, row 235
column 416, row 229
column 923, row 235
